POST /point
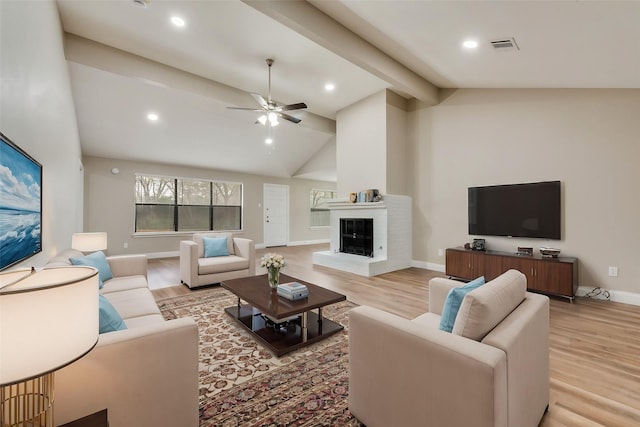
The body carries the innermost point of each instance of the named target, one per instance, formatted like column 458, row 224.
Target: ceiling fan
column 270, row 109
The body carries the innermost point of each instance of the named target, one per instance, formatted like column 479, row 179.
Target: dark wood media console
column 553, row 276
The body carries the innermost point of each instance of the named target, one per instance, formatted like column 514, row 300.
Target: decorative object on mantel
column 366, row 196
column 549, row 252
column 478, row 245
column 524, row 251
column 273, row 263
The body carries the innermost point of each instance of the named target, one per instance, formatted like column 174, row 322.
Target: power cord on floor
column 598, row 293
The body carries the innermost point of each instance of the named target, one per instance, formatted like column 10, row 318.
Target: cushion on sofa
column 454, row 300
column 150, row 319
column 109, row 319
column 221, row 264
column 483, row 308
column 215, row 246
column 133, row 303
column 125, row 283
column 97, row 260
column 197, row 237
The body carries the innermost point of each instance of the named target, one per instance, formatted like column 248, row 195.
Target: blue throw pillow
column 97, row 260
column 110, row 319
column 453, row 302
column 215, row 246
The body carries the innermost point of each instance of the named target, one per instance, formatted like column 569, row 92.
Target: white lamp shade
column 48, row 319
column 89, row 242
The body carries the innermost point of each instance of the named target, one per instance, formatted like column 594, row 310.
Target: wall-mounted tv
column 516, row 210
column 20, row 204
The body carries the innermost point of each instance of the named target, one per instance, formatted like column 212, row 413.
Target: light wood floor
column 594, row 345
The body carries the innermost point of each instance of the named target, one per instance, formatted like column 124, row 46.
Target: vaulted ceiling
column 126, row 61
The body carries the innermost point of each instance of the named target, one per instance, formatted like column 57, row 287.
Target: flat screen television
column 20, row 204
column 516, row 210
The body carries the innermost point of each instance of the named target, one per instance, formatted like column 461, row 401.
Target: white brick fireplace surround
column 392, row 238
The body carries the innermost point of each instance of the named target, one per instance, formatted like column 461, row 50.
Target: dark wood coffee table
column 303, row 326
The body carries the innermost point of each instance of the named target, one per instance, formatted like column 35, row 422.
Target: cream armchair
column 196, row 270
column 492, row 370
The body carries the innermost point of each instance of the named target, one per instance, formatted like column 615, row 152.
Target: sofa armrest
column 439, row 288
column 245, row 248
column 189, row 262
column 128, row 265
column 524, row 337
column 403, row 373
column 145, row 377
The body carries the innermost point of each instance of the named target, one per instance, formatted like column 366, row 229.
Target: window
column 319, row 208
column 166, row 204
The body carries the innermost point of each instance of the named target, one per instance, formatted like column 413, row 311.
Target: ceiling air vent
column 505, row 45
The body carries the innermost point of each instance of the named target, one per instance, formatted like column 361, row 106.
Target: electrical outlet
column 126, row 245
column 613, row 271
column 440, row 252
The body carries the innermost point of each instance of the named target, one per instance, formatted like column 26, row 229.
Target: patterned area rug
column 243, row 384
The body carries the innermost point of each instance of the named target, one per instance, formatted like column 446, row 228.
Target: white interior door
column 276, row 214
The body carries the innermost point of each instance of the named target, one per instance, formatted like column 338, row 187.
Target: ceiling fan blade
column 246, row 109
column 260, row 100
column 298, row 106
column 288, row 117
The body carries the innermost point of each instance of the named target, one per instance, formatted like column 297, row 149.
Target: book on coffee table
column 293, row 290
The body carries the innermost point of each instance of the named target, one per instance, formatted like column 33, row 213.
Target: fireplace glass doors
column 356, row 236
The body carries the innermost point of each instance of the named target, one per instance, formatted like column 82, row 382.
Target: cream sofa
column 196, row 270
column 145, row 375
column 492, row 370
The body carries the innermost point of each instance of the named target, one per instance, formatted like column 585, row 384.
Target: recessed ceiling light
column 470, row 44
column 153, row 117
column 268, row 141
column 329, row 87
column 177, row 21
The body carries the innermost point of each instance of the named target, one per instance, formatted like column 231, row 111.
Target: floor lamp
column 48, row 320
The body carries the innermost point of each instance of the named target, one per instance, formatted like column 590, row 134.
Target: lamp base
column 28, row 403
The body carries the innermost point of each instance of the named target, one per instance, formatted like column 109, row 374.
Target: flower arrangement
column 272, row 261
column 273, row 264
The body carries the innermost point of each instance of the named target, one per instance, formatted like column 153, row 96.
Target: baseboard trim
column 308, row 242
column 428, row 266
column 154, row 255
column 170, row 254
column 624, row 297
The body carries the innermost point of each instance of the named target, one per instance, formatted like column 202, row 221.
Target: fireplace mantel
column 392, row 248
column 350, row 205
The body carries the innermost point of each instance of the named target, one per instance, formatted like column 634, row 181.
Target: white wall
column 110, row 204
column 588, row 139
column 37, row 113
column 361, row 152
column 396, row 145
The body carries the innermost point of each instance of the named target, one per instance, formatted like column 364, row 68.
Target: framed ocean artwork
column 20, row 204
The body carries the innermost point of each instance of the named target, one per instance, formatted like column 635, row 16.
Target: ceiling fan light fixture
column 262, row 119
column 273, row 119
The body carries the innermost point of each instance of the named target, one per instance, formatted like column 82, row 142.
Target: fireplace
column 356, row 236
column 388, row 247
